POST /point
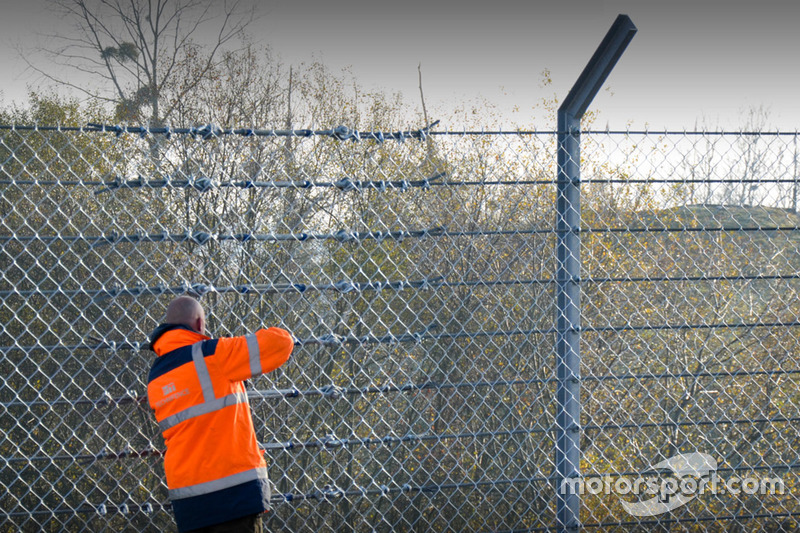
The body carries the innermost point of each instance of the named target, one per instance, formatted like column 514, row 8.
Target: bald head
column 188, row 312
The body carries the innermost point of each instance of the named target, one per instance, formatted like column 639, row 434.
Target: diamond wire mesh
column 690, row 315
column 417, row 276
column 413, row 400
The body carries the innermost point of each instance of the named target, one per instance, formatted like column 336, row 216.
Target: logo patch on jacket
column 169, row 394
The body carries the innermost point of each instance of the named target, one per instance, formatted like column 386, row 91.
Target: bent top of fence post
column 599, row 67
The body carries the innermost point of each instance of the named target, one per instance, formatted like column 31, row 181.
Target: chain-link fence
column 417, row 270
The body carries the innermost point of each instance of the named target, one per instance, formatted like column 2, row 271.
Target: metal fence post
column 568, row 266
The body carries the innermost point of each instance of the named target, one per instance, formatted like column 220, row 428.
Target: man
column 216, row 474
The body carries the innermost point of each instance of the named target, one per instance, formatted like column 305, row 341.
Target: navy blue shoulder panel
column 170, row 361
column 179, row 357
column 209, row 347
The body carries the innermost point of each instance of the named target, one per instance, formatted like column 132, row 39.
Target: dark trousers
column 246, row 524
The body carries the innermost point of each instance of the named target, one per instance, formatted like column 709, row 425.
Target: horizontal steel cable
column 328, row 442
column 622, row 133
column 209, row 131
column 344, row 184
column 335, row 391
column 345, row 286
column 731, row 469
column 331, row 441
column 326, row 493
column 201, row 237
column 693, row 423
column 340, row 340
column 691, row 519
column 139, row 130
column 204, row 184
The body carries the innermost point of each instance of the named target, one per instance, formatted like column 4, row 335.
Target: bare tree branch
column 131, row 49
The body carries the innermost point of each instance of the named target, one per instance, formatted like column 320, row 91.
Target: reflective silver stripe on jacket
column 202, row 372
column 218, row 484
column 203, row 409
column 255, row 354
column 210, row 402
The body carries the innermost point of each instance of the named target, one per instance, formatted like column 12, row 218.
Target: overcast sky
column 692, row 60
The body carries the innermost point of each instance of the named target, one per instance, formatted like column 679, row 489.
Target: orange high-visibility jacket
column 215, row 470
